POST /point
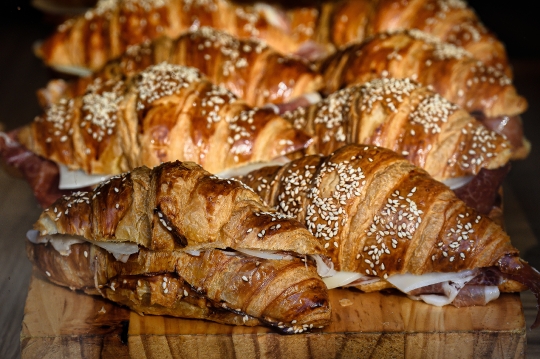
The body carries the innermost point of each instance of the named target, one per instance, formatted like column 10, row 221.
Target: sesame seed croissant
column 166, row 112
column 177, row 240
column 340, row 23
column 112, row 26
column 107, row 30
column 390, row 224
column 247, row 68
column 407, row 118
column 450, row 70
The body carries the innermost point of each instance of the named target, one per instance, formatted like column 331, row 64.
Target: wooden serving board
column 59, row 323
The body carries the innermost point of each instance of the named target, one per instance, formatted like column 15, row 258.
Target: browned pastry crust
column 286, row 294
column 107, row 31
column 407, row 118
column 380, row 215
column 449, row 70
column 166, row 112
column 343, row 22
column 176, row 206
column 186, row 222
column 247, row 68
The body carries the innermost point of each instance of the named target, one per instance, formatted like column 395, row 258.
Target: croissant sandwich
column 108, row 30
column 112, row 26
column 449, row 70
column 387, row 224
column 166, row 112
column 409, row 119
column 176, row 240
column 339, row 23
column 247, row 68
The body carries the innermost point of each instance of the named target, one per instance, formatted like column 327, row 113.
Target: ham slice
column 42, row 175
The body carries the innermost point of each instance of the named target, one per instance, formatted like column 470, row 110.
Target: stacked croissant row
column 236, row 162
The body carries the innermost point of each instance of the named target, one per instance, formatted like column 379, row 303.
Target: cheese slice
column 273, row 16
column 457, row 182
column 63, row 242
column 265, row 254
column 122, row 250
column 244, row 170
column 408, row 282
column 73, row 70
column 78, row 179
column 341, row 279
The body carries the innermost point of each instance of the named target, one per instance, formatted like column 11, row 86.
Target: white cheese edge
column 70, row 179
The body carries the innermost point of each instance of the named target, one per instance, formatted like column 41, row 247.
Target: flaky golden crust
column 287, row 294
column 247, row 68
column 176, row 206
column 164, row 113
column 106, row 31
column 339, row 23
column 380, row 215
column 451, row 21
column 186, row 224
column 409, row 119
column 450, row 70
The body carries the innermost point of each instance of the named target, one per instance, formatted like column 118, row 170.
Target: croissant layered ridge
column 353, row 197
column 176, row 206
column 339, row 23
column 107, row 30
column 448, row 69
column 112, row 26
column 246, row 67
column 224, row 287
column 382, row 217
column 177, row 240
column 407, row 118
column 164, row 113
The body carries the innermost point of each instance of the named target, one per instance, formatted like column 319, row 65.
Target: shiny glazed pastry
column 387, row 224
column 112, row 26
column 176, row 240
column 166, row 112
column 407, row 118
column 339, row 23
column 449, row 70
column 107, row 30
column 247, row 68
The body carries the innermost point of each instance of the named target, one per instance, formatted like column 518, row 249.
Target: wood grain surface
column 60, row 323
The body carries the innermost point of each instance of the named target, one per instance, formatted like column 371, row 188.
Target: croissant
column 339, row 23
column 112, row 26
column 177, row 240
column 247, row 68
column 166, row 112
column 449, row 70
column 108, row 30
column 387, row 224
column 407, row 118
